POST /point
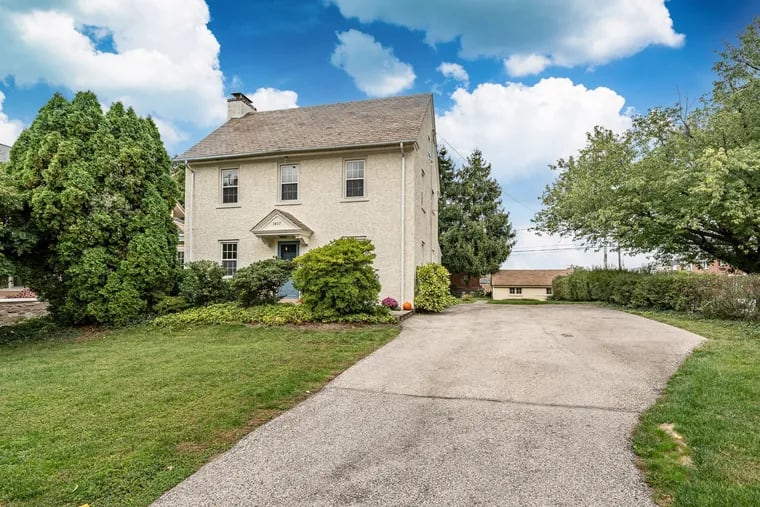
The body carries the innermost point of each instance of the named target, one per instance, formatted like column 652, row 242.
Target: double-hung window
column 229, row 257
column 289, row 182
column 355, row 178
column 229, row 186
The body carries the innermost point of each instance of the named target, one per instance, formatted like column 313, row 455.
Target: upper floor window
column 229, row 186
column 355, row 178
column 289, row 182
column 229, row 257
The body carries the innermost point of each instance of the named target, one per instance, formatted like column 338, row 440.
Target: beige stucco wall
column 321, row 206
column 426, row 188
column 527, row 293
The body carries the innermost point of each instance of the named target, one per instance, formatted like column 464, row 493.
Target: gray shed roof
column 361, row 123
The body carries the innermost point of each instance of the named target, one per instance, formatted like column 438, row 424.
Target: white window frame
column 181, row 258
column 222, row 186
column 296, row 182
column 515, row 290
column 548, row 291
column 346, row 179
column 226, row 267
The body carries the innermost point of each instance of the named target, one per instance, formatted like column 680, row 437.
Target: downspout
column 403, row 220
column 189, row 213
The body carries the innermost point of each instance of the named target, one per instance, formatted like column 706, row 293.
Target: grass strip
column 713, row 404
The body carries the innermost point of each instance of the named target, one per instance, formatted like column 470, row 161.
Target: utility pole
column 605, row 256
column 620, row 258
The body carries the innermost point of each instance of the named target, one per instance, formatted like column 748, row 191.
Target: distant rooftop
column 5, row 152
column 360, row 123
column 527, row 277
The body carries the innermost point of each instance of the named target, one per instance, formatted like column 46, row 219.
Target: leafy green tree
column 679, row 183
column 178, row 173
column 86, row 201
column 475, row 234
column 338, row 279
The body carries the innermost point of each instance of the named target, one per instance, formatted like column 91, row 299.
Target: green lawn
column 118, row 417
column 714, row 403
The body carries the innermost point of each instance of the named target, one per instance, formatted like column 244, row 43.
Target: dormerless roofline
column 209, row 158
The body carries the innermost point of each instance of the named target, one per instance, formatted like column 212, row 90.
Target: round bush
column 338, row 279
column 259, row 283
column 432, row 288
column 203, row 283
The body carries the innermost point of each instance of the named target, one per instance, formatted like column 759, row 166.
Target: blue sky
column 523, row 80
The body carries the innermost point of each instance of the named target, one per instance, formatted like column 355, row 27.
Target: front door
column 288, row 250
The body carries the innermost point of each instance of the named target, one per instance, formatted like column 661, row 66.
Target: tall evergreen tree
column 475, row 234
column 89, row 225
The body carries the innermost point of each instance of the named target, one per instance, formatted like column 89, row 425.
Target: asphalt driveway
column 480, row 405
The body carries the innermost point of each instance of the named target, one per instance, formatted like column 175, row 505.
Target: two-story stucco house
column 276, row 183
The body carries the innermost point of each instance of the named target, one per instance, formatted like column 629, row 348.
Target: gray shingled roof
column 5, row 153
column 362, row 123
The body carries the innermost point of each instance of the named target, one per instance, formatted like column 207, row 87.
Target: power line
column 507, row 194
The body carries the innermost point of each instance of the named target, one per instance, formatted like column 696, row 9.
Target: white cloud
column 582, row 32
column 170, row 135
column 158, row 57
column 9, row 129
column 374, row 68
column 521, row 129
column 523, row 65
column 455, row 71
column 267, row 99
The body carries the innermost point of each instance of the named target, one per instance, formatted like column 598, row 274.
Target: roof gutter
column 280, row 152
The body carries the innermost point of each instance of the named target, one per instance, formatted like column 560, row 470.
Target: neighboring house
column 277, row 183
column 12, row 283
column 459, row 285
column 525, row 283
column 178, row 217
column 5, row 153
column 715, row 267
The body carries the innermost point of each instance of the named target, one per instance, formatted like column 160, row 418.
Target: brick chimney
column 238, row 106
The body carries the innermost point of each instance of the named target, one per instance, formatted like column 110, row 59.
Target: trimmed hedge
column 733, row 297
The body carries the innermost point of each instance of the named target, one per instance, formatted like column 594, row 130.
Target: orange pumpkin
column 407, row 306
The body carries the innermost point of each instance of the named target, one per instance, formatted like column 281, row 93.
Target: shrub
column 203, row 283
column 390, row 303
column 171, row 304
column 561, row 288
column 379, row 315
column 622, row 287
column 733, row 297
column 432, row 288
column 277, row 314
column 259, row 283
column 338, row 278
